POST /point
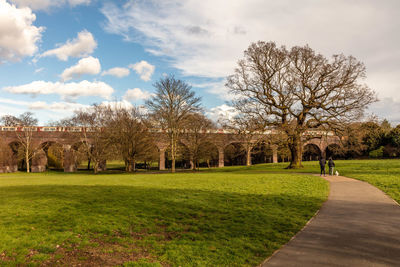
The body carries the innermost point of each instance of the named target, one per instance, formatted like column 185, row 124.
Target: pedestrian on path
column 331, row 166
column 322, row 163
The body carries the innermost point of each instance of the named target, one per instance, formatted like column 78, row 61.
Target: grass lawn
column 235, row 217
column 382, row 173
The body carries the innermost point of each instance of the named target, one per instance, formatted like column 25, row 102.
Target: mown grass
column 382, row 173
column 235, row 217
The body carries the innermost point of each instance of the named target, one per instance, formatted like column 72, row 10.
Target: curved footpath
column 357, row 226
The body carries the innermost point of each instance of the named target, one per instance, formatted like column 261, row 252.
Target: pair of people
column 331, row 165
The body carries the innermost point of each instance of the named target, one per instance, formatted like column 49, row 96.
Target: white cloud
column 222, row 112
column 387, row 108
column 13, row 102
column 136, row 94
column 89, row 65
column 144, row 69
column 47, row 4
column 81, row 46
column 18, row 35
column 117, row 72
column 117, row 104
column 65, row 90
column 41, row 105
column 206, row 38
column 56, row 106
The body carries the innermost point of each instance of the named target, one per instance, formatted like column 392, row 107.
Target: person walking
column 322, row 163
column 331, row 166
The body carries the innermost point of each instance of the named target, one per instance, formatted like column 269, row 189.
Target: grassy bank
column 236, row 217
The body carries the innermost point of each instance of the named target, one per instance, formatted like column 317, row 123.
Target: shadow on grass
column 179, row 226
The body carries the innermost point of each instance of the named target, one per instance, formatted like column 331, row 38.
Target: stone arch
column 234, row 154
column 208, row 155
column 311, row 152
column 53, row 153
column 262, row 152
column 183, row 159
column 17, row 162
column 334, row 150
column 147, row 159
column 8, row 158
column 77, row 155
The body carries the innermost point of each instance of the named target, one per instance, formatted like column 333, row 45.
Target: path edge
column 301, row 230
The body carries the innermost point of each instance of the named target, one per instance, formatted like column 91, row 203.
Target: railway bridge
column 68, row 137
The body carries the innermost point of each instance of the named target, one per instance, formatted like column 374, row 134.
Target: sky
column 57, row 56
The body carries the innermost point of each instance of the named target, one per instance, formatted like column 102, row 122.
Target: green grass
column 235, row 217
column 382, row 173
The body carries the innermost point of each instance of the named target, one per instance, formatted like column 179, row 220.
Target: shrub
column 377, row 153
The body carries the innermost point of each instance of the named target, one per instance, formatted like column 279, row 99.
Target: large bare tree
column 173, row 100
column 298, row 89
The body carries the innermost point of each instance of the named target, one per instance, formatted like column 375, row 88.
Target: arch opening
column 182, row 160
column 235, row 154
column 54, row 154
column 207, row 155
column 335, row 151
column 311, row 152
column 261, row 153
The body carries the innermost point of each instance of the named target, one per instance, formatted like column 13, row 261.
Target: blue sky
column 60, row 55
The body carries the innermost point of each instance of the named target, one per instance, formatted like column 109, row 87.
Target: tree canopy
column 298, row 89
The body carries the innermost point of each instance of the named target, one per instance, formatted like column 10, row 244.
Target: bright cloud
column 117, row 104
column 222, row 112
column 136, row 94
column 47, row 4
column 89, row 65
column 65, row 90
column 144, row 69
column 117, row 72
column 81, row 46
column 56, row 106
column 18, row 35
column 206, row 38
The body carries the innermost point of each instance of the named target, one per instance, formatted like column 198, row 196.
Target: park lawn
column 382, row 173
column 232, row 218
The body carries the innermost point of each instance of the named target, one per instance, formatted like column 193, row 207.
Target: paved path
column 357, row 226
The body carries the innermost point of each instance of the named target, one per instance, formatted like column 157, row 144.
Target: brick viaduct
column 69, row 137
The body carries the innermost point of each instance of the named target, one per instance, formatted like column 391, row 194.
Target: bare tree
column 296, row 90
column 173, row 100
column 128, row 131
column 26, row 121
column 93, row 136
column 196, row 126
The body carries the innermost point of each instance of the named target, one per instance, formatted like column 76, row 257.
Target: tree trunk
column 130, row 165
column 173, row 152
column 191, row 162
column 296, row 150
column 27, row 160
column 248, row 156
column 88, row 163
column 96, row 167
